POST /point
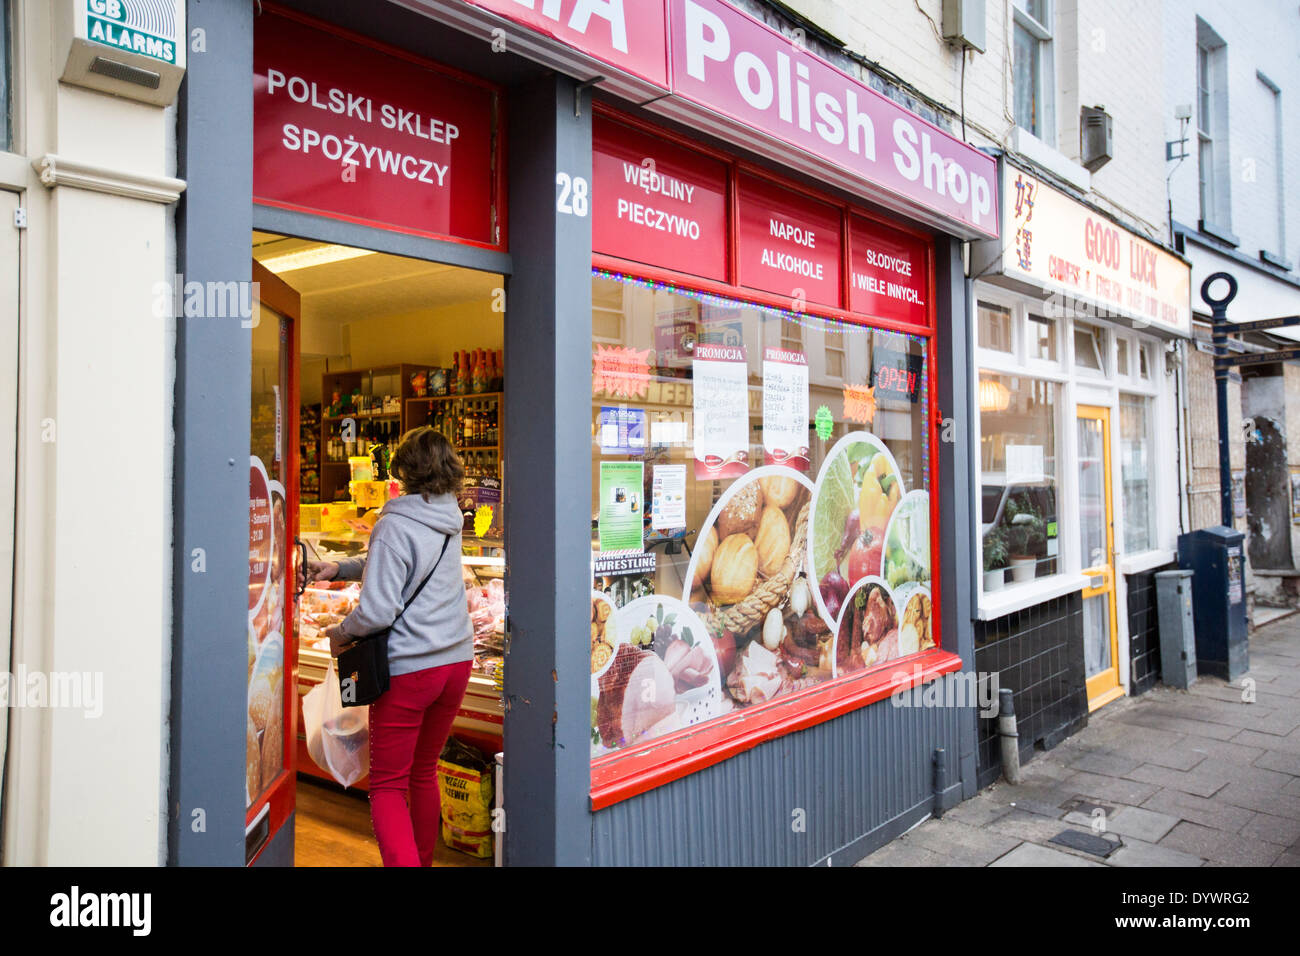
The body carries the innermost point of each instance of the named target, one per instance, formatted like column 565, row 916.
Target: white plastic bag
column 338, row 737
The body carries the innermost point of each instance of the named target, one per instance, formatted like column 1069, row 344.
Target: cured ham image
column 637, row 692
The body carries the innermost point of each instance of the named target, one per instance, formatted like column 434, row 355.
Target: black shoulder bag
column 363, row 665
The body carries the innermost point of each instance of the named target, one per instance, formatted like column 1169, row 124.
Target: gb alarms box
column 129, row 48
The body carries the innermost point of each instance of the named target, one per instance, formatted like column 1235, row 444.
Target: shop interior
column 385, row 344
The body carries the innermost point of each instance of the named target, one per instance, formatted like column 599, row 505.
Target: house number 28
column 573, row 194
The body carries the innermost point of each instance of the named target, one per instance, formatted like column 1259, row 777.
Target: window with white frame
column 1271, row 179
column 1211, row 128
column 1136, row 454
column 995, row 327
column 1019, row 478
column 791, row 335
column 1035, row 75
column 607, row 313
column 835, row 353
column 1042, row 338
column 1018, row 398
column 1090, row 349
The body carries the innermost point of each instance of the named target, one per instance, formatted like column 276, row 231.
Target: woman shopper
column 430, row 647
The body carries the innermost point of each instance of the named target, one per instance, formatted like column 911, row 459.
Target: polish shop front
column 690, row 300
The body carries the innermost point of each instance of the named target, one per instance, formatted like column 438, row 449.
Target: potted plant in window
column 995, row 560
column 1026, row 537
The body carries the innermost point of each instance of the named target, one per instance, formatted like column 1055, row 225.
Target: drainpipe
column 1010, row 738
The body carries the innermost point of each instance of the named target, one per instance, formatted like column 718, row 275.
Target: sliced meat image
column 879, row 617
column 636, row 692
column 690, row 666
column 868, row 631
column 756, row 678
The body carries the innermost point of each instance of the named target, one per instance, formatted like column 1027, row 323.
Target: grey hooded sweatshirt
column 405, row 543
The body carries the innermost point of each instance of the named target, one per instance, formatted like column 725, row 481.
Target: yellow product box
column 361, row 468
column 334, row 514
column 372, row 494
column 309, row 518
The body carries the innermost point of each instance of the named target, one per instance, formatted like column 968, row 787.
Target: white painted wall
column 1261, row 36
column 1106, row 54
column 93, row 552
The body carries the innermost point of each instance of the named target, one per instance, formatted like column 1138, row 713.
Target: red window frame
column 627, row 773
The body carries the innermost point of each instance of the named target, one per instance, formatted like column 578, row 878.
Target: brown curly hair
column 426, row 463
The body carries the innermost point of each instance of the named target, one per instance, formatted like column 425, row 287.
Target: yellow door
column 1097, row 542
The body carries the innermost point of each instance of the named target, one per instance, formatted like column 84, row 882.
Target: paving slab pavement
column 1204, row 777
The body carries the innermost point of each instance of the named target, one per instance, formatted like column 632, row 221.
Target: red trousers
column 409, row 725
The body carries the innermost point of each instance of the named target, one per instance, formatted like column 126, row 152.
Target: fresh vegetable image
column 907, row 542
column 857, row 493
column 864, row 556
column 879, row 491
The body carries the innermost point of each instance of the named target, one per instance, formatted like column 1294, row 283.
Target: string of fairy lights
column 803, row 320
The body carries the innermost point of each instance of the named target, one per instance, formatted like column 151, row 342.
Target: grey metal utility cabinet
column 1177, row 628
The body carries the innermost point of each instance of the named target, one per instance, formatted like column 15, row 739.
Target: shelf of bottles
column 470, row 422
column 309, row 454
column 373, row 400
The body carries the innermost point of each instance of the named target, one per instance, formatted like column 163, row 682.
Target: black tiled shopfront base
column 1143, row 630
column 1037, row 653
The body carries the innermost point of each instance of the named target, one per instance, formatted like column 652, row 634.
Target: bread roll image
column 253, row 763
column 261, row 701
column 272, row 750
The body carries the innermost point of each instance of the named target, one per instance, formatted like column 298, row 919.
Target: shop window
column 995, row 330
column 1018, row 479
column 1121, row 357
column 773, row 533
column 1144, row 363
column 1137, row 473
column 791, row 335
column 1042, row 338
column 1034, row 74
column 607, row 315
column 834, row 353
column 1089, row 348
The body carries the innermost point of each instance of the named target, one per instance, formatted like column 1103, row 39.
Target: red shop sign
column 628, row 34
column 887, row 273
column 657, row 203
column 788, row 244
column 344, row 129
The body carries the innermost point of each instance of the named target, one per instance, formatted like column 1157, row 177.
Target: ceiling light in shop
column 994, row 396
column 315, row 256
